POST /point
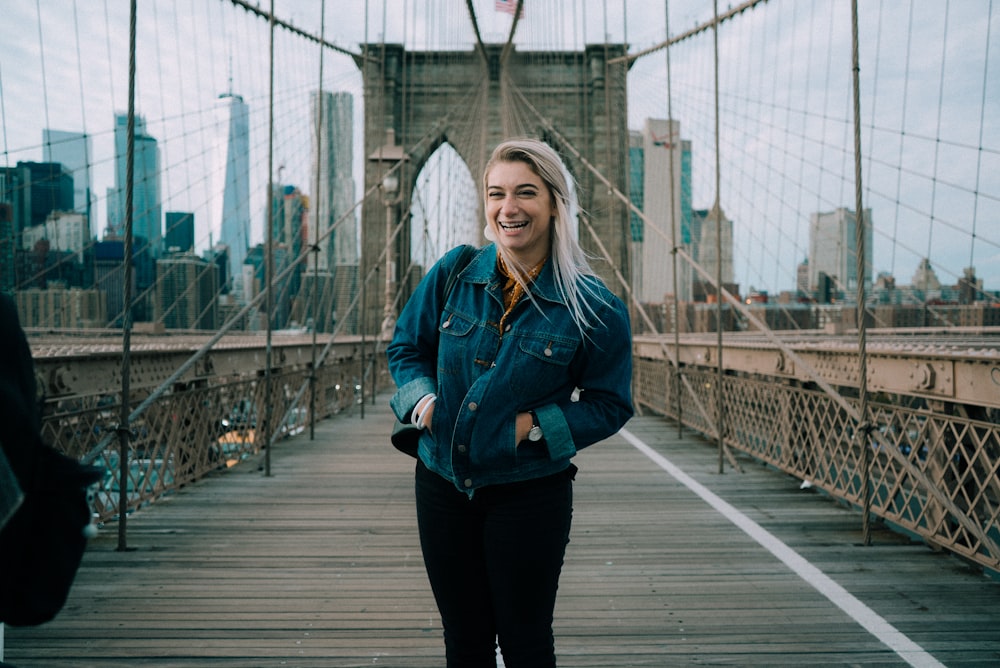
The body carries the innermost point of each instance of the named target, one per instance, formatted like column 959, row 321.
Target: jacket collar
column 483, row 270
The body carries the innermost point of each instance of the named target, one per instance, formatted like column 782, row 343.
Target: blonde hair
column 570, row 268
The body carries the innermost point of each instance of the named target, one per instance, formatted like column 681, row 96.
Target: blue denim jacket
column 483, row 379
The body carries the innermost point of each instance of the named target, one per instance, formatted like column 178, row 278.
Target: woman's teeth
column 513, row 225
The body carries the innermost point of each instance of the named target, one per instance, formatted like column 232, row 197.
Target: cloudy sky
column 930, row 102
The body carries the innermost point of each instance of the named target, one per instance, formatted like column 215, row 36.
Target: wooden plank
column 319, row 565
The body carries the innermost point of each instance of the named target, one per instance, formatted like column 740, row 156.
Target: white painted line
column 872, row 622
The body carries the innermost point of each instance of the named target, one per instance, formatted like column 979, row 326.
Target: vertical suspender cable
column 316, row 222
column 675, row 381
column 265, row 440
column 937, row 135
column 45, row 106
column 864, row 428
column 123, row 421
column 87, row 157
column 898, row 199
column 363, row 273
column 979, row 145
column 721, row 417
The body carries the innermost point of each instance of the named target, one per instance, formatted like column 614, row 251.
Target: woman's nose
column 509, row 204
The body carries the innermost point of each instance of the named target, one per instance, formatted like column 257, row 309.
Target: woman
column 527, row 362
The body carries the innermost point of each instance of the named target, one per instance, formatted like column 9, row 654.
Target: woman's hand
column 522, row 425
column 423, row 412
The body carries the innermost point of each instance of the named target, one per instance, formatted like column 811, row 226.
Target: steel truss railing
column 203, row 423
column 930, row 462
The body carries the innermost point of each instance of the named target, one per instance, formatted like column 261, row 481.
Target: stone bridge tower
column 414, row 103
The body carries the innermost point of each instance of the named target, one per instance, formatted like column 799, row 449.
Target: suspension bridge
column 210, row 215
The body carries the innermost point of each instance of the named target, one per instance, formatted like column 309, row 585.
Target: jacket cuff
column 408, row 395
column 556, row 430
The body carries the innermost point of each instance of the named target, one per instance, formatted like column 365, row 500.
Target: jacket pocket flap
column 554, row 350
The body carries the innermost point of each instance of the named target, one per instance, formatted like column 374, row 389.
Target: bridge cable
column 717, row 210
column 255, row 9
column 317, row 193
column 269, row 247
column 708, row 25
column 937, row 133
column 864, row 426
column 509, row 45
column 979, row 153
column 87, row 157
column 480, row 47
column 902, row 137
column 123, row 430
column 674, row 368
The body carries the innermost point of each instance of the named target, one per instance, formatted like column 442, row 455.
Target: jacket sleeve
column 412, row 354
column 20, row 413
column 604, row 378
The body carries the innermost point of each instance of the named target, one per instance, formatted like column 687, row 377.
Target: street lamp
column 390, row 196
column 388, row 158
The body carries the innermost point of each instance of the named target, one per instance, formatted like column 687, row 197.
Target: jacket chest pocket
column 455, row 343
column 541, row 364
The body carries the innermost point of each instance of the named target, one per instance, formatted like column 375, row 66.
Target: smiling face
column 519, row 210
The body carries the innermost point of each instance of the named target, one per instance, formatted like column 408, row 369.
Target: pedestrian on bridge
column 522, row 363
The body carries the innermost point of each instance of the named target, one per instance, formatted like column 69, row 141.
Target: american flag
column 508, row 6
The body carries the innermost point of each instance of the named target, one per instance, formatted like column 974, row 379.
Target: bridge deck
column 318, row 566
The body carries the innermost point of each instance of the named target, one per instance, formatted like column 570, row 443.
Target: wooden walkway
column 318, row 566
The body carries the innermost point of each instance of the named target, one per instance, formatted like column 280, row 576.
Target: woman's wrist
column 421, row 414
column 522, row 425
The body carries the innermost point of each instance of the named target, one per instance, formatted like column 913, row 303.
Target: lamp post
column 390, row 196
column 386, row 159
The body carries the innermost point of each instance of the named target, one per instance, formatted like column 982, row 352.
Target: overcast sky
column 930, row 102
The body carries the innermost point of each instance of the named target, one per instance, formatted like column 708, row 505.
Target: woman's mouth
column 512, row 224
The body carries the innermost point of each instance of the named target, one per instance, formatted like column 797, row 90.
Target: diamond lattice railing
column 931, row 473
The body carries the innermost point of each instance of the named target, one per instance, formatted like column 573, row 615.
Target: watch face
column 535, row 434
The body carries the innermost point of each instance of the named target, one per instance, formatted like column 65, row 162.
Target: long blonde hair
column 570, row 268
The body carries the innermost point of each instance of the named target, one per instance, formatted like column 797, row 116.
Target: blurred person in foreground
column 45, row 510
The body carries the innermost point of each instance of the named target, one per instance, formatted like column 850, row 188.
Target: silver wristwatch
column 535, row 433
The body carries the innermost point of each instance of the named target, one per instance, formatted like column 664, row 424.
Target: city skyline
column 767, row 253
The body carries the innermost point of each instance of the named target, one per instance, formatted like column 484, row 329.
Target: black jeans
column 494, row 563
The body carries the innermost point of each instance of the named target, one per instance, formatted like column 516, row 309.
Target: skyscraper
column 146, row 206
column 186, row 292
column 109, row 276
column 332, row 280
column 229, row 209
column 833, row 249
column 289, row 234
column 335, row 195
column 48, row 187
column 714, row 223
column 74, row 151
column 661, row 139
column 179, row 237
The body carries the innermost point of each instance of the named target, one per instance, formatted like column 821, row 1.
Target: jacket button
column 468, row 482
column 548, row 352
column 473, row 406
column 462, row 448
